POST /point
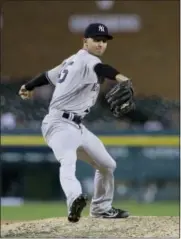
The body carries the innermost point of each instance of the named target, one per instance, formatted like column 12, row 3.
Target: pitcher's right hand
column 24, row 93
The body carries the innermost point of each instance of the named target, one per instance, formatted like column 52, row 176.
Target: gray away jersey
column 76, row 84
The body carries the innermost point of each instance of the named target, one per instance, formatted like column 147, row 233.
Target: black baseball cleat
column 113, row 213
column 76, row 209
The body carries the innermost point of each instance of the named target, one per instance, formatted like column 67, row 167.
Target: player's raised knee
column 112, row 166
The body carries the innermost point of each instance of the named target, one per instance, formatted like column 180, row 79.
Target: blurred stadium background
column 36, row 36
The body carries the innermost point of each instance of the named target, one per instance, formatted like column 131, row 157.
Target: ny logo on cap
column 101, row 28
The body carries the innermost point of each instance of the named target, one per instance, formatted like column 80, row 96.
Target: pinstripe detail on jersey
column 68, row 98
column 78, row 92
column 46, row 74
column 80, row 106
column 85, row 71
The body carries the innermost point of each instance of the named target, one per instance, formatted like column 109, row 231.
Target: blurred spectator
column 43, row 93
column 122, row 125
column 8, row 121
column 174, row 119
column 153, row 125
column 152, row 113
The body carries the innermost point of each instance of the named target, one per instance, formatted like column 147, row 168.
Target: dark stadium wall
column 36, row 37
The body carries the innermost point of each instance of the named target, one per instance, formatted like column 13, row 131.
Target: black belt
column 75, row 118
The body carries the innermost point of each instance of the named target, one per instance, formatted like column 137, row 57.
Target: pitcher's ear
column 84, row 40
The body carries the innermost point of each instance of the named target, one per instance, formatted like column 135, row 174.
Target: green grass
column 30, row 211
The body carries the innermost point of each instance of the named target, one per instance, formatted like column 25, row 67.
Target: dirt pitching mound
column 96, row 228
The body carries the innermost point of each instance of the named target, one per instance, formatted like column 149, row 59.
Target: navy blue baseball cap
column 97, row 29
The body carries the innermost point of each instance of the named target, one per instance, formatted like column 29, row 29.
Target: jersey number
column 63, row 74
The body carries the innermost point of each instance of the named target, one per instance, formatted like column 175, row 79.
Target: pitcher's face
column 96, row 45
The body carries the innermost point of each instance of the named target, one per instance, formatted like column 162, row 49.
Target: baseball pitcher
column 77, row 85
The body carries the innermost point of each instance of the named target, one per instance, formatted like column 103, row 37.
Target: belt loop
column 81, row 130
column 70, row 116
column 73, row 117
